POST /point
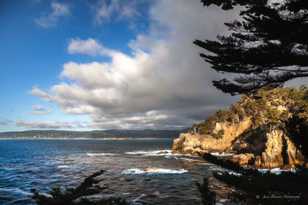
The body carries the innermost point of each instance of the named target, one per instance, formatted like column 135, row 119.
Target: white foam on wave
column 168, row 154
column 192, row 160
column 63, row 166
column 221, row 154
column 234, row 173
column 150, row 171
column 276, row 171
column 100, row 154
column 136, row 200
column 153, row 153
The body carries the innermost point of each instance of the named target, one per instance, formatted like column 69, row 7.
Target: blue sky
column 105, row 64
column 33, row 55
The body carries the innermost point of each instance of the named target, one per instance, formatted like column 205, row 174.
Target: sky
column 107, row 64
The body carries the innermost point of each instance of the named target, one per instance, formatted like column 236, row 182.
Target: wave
column 276, row 171
column 232, row 173
column 221, row 154
column 151, row 171
column 153, row 153
column 100, row 154
column 200, row 161
column 136, row 200
column 63, row 166
column 7, row 168
column 16, row 191
column 168, row 154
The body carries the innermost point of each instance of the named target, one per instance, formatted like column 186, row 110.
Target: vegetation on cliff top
column 265, row 106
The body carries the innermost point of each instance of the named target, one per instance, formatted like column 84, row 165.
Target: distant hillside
column 92, row 134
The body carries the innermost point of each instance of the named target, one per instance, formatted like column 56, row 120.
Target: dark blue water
column 134, row 168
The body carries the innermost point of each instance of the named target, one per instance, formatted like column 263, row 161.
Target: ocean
column 142, row 170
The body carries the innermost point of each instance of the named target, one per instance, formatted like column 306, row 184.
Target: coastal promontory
column 265, row 129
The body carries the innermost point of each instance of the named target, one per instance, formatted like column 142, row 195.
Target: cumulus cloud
column 58, row 10
column 40, row 110
column 35, row 91
column 162, row 83
column 116, row 10
column 88, row 47
column 50, row 124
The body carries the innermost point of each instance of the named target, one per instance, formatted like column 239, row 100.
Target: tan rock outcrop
column 256, row 130
column 295, row 156
column 273, row 153
column 270, row 146
column 194, row 143
column 243, row 159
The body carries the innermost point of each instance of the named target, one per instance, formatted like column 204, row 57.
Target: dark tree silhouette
column 78, row 195
column 266, row 46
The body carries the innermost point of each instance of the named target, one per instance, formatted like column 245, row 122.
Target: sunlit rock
column 266, row 130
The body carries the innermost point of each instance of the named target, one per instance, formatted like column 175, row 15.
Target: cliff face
column 268, row 147
column 264, row 130
column 196, row 143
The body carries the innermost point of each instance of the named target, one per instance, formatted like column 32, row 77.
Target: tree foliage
column 78, row 196
column 266, row 46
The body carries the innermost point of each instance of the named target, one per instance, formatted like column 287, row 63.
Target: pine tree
column 266, row 47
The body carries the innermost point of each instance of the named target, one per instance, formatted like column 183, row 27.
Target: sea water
column 144, row 170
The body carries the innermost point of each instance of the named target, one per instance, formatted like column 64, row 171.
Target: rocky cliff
column 266, row 129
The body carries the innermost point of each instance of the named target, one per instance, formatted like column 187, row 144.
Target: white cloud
column 58, row 10
column 88, row 47
column 163, row 83
column 40, row 110
column 35, row 91
column 116, row 10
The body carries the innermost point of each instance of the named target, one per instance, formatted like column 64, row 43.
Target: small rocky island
column 266, row 129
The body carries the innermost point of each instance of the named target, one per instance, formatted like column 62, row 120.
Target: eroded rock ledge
column 268, row 129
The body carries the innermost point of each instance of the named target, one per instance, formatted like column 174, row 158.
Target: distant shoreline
column 90, row 135
column 78, row 138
